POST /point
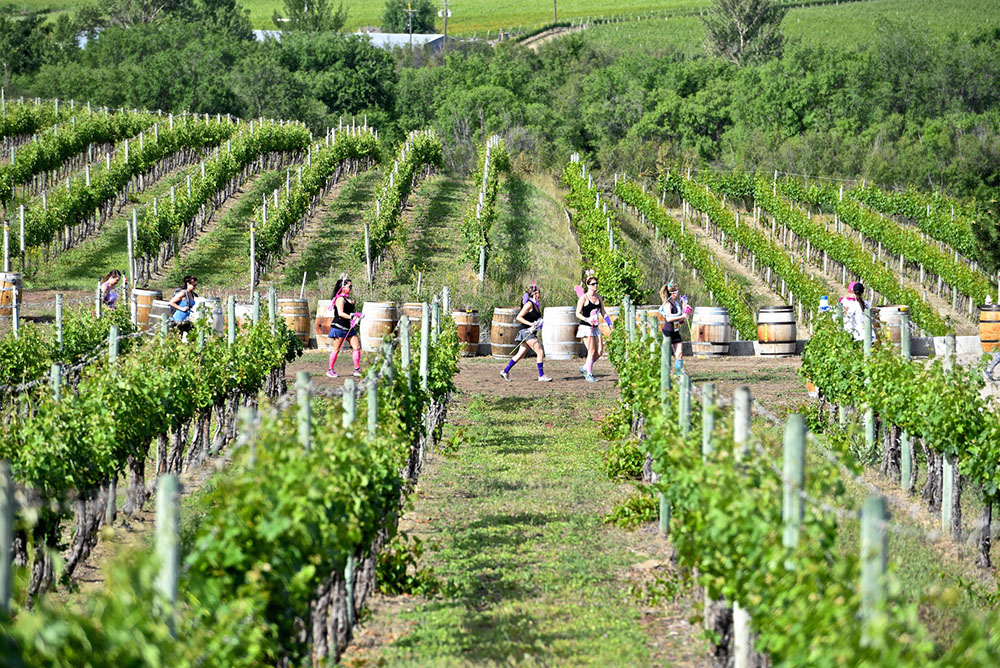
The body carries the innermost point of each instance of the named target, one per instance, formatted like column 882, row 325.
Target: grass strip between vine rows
column 494, row 162
column 618, row 270
column 726, row 524
column 838, row 247
column 728, row 294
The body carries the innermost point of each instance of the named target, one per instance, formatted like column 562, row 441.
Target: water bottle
column 824, row 304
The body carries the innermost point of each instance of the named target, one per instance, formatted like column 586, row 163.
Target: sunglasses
column 591, row 282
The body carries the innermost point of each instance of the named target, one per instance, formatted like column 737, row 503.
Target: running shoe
column 583, row 370
column 505, row 376
column 590, row 378
column 357, row 373
column 332, row 374
column 544, row 379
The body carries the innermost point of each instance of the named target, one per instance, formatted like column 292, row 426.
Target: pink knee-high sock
column 356, row 356
column 333, row 358
column 589, row 366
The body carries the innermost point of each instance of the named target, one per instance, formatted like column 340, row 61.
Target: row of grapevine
column 902, row 242
column 617, row 270
column 278, row 563
column 29, row 356
column 421, row 152
column 348, row 149
column 66, row 209
column 764, row 251
column 764, row 541
column 494, row 162
column 939, row 403
column 20, row 118
column 695, row 254
column 829, row 246
column 55, row 148
column 165, row 227
column 934, row 214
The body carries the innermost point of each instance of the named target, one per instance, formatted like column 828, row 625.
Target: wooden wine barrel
column 776, row 331
column 143, row 300
column 559, row 333
column 158, row 311
column 710, row 331
column 380, row 319
column 502, row 332
column 468, row 331
column 9, row 282
column 890, row 320
column 324, row 316
column 244, row 314
column 613, row 313
column 413, row 310
column 295, row 312
column 210, row 308
column 989, row 327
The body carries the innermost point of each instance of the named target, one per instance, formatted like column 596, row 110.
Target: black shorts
column 675, row 336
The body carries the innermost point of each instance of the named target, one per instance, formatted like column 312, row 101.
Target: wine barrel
column 502, row 332
column 9, row 283
column 143, row 301
column 380, row 319
column 158, row 311
column 989, row 327
column 295, row 312
column 324, row 317
column 468, row 331
column 559, row 333
column 776, row 331
column 710, row 331
column 244, row 313
column 210, row 308
column 413, row 310
column 890, row 320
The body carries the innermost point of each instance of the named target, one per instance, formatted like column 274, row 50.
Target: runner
column 109, row 293
column 530, row 316
column 589, row 311
column 675, row 314
column 345, row 320
column 854, row 310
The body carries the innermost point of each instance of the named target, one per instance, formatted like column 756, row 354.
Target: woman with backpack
column 182, row 303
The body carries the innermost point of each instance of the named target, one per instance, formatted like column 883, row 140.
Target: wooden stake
column 168, row 550
column 305, row 409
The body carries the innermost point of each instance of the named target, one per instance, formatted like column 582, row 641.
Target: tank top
column 188, row 303
column 670, row 308
column 533, row 314
column 588, row 308
column 344, row 323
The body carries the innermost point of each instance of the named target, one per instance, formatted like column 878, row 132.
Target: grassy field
column 845, row 25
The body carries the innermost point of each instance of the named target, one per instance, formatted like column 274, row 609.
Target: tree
column 397, row 19
column 22, row 43
column 744, row 31
column 311, row 16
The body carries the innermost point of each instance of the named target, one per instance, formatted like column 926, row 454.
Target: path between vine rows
column 509, row 511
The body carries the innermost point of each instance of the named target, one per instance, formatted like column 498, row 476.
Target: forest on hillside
column 906, row 108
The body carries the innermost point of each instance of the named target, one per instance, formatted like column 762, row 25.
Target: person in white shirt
column 854, row 310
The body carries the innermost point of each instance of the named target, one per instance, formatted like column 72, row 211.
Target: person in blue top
column 182, row 303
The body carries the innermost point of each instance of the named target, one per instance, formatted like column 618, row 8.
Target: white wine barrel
column 143, row 300
column 380, row 319
column 295, row 313
column 559, row 333
column 9, row 282
column 210, row 308
column 468, row 331
column 890, row 318
column 776, row 331
column 502, row 332
column 710, row 331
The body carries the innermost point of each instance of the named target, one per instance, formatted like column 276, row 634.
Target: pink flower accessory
column 685, row 307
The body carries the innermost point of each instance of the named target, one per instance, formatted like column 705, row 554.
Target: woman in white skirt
column 590, row 311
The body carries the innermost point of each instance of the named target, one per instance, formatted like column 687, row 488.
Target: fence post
column 404, row 348
column 905, row 454
column 874, row 559
column 684, row 412
column 372, row 402
column 256, row 307
column 742, row 642
column 231, row 319
column 109, row 510
column 425, row 332
column 167, row 546
column 6, row 536
column 305, row 409
column 435, row 319
column 59, row 320
column 794, row 479
column 55, row 381
column 947, row 461
column 707, row 418
column 665, row 353
column 350, row 403
column 272, row 308
column 869, row 413
column 446, row 300
column 113, row 343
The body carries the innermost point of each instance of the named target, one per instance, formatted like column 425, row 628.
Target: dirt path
column 536, row 41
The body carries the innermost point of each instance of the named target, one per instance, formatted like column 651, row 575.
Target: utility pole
column 555, row 14
column 409, row 12
column 446, row 12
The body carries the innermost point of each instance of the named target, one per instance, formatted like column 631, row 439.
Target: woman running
column 589, row 311
column 109, row 293
column 343, row 325
column 182, row 303
column 674, row 315
column 530, row 316
column 854, row 310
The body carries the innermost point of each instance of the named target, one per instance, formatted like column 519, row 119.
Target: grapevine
column 494, row 162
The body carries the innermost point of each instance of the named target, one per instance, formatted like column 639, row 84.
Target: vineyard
column 225, row 492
